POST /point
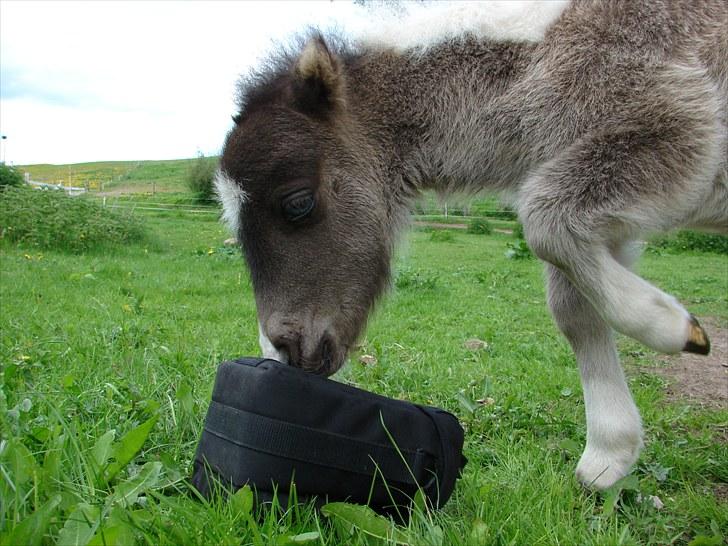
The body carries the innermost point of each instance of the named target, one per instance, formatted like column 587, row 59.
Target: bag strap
column 309, row 445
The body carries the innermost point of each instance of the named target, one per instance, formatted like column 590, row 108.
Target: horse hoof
column 698, row 341
column 599, row 469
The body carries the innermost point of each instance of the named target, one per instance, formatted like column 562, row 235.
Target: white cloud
column 92, row 81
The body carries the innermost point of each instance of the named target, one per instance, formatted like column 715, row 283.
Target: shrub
column 479, row 226
column 518, row 231
column 201, row 176
column 10, row 176
column 442, row 236
column 684, row 241
column 50, row 219
column 518, row 250
column 408, row 278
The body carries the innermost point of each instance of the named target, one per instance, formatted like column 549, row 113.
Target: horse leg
column 630, row 304
column 577, row 211
column 614, row 430
column 586, row 202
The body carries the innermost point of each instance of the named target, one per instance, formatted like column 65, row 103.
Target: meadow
column 109, row 356
column 115, row 176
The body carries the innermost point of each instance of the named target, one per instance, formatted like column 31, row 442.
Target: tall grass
column 49, row 219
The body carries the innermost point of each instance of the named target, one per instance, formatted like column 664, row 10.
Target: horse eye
column 298, row 205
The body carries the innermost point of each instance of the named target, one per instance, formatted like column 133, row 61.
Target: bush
column 518, row 250
column 10, row 176
column 684, row 241
column 442, row 236
column 518, row 231
column 479, row 226
column 201, row 176
column 50, row 219
column 407, row 278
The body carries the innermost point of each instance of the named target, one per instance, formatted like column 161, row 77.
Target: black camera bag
column 270, row 425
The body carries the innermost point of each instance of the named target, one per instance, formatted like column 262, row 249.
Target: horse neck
column 446, row 119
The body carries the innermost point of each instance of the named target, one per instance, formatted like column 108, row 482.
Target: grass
column 118, row 176
column 128, row 340
column 144, row 177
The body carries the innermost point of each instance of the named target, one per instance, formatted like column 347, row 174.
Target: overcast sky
column 96, row 81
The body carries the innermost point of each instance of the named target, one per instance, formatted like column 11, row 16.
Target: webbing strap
column 327, row 449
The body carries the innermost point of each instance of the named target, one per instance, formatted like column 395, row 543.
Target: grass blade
column 30, row 531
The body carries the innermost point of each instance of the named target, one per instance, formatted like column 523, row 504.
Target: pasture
column 115, row 176
column 127, row 340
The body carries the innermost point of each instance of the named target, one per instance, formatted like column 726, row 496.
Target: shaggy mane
column 403, row 27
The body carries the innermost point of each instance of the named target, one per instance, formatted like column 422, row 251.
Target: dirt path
column 701, row 379
column 111, row 193
column 439, row 225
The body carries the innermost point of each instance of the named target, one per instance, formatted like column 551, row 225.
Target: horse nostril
column 290, row 349
column 327, row 354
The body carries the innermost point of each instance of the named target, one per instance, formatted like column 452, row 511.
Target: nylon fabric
column 276, row 427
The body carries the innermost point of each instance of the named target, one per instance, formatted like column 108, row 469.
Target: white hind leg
column 614, row 429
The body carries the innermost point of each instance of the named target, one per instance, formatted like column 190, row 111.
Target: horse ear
column 318, row 83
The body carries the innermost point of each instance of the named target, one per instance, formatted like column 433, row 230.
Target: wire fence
column 455, row 216
column 429, row 209
column 185, row 206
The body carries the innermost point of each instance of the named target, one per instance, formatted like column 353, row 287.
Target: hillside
column 116, row 176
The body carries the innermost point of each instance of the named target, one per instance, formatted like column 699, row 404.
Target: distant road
column 70, row 190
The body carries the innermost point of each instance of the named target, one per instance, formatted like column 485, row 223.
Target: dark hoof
column 698, row 341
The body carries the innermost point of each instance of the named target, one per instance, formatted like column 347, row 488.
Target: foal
column 601, row 122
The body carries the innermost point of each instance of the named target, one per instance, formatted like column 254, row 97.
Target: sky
column 134, row 80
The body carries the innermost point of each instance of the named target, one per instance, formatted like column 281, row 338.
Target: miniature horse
column 601, row 123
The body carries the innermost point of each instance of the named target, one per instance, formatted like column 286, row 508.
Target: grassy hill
column 134, row 177
column 122, row 176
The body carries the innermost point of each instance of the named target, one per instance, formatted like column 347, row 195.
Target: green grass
column 143, row 177
column 126, row 176
column 106, row 341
